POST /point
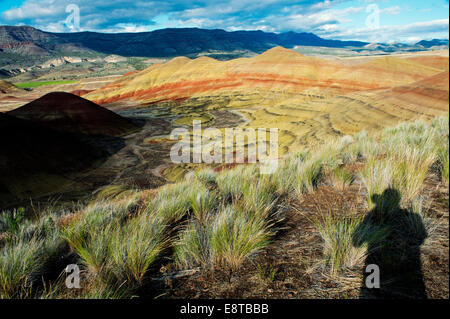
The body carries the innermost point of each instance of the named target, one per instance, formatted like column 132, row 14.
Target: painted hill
column 277, row 70
column 310, row 99
column 438, row 62
column 70, row 113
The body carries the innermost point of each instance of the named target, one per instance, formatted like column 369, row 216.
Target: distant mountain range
column 165, row 42
column 159, row 43
column 433, row 43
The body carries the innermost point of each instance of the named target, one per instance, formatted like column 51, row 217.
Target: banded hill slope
column 308, row 98
column 277, row 69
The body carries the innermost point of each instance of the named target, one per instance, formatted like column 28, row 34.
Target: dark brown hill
column 67, row 112
column 36, row 160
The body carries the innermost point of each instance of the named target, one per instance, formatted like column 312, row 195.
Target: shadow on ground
column 398, row 256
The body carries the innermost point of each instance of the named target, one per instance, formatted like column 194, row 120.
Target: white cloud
column 318, row 16
column 391, row 10
column 429, row 29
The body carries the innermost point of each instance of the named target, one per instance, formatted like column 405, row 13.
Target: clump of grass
column 340, row 235
column 232, row 182
column 227, row 239
column 115, row 253
column 19, row 260
column 173, row 201
column 330, row 155
column 377, row 175
column 441, row 143
column 135, row 247
column 236, row 235
column 259, row 197
column 101, row 213
column 192, row 246
column 443, row 156
column 341, row 177
column 92, row 245
column 207, row 176
column 284, row 179
column 10, row 220
column 309, row 173
column 366, row 146
column 285, row 176
column 268, row 273
column 26, row 255
column 410, row 172
column 202, row 202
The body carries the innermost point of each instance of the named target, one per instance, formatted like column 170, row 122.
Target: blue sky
column 367, row 20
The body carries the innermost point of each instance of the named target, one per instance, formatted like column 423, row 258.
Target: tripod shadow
column 398, row 254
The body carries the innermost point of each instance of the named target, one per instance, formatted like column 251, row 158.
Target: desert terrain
column 311, row 99
column 88, row 162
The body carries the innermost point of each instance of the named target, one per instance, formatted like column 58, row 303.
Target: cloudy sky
column 367, row 20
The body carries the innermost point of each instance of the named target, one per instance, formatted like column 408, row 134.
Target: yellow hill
column 277, row 70
column 309, row 99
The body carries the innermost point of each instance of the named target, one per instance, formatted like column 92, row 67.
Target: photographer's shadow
column 398, row 254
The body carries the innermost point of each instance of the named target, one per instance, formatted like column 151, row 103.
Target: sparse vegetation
column 220, row 220
column 269, row 273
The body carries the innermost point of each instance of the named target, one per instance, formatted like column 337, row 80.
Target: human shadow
column 397, row 253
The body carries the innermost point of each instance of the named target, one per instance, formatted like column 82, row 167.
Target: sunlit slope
column 423, row 99
column 278, row 71
column 437, row 62
column 309, row 99
column 304, row 123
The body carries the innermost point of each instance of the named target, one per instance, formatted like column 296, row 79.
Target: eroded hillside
column 309, row 99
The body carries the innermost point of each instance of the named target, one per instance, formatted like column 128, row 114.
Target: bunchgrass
column 347, row 240
column 192, row 247
column 341, row 177
column 236, row 235
column 135, row 247
column 25, row 255
column 202, row 202
column 19, row 260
